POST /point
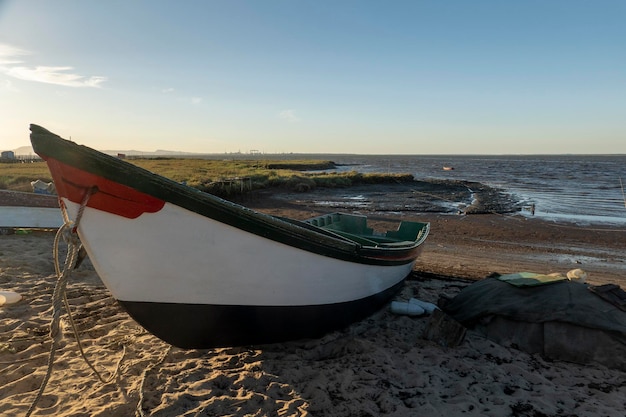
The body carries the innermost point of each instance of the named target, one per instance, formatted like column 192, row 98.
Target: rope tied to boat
column 68, row 232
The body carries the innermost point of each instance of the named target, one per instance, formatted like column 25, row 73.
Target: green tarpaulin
column 563, row 320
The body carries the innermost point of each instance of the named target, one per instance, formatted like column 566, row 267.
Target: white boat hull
column 177, row 256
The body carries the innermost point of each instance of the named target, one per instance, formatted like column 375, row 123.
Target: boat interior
column 354, row 227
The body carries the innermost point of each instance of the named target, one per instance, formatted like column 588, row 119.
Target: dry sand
column 379, row 366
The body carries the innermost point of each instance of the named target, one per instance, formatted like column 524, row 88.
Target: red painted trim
column 112, row 197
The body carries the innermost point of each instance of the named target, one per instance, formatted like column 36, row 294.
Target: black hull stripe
column 198, row 326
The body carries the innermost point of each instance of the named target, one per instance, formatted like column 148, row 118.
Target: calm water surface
column 581, row 188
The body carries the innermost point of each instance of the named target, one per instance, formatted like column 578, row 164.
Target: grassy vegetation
column 210, row 175
column 18, row 176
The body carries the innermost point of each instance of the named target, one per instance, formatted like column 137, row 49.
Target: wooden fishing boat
column 198, row 271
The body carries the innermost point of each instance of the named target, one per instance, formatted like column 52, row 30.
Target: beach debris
column 406, row 309
column 444, row 330
column 577, row 275
column 41, row 187
column 9, row 297
column 413, row 307
column 428, row 307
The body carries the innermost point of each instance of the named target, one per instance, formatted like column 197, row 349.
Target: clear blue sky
column 379, row 77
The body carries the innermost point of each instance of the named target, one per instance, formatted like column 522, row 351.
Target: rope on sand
column 67, row 232
column 59, row 289
column 140, row 412
column 73, row 324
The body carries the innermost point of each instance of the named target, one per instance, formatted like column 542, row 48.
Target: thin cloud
column 9, row 54
column 167, row 90
column 54, row 75
column 7, row 85
column 12, row 65
column 195, row 101
column 289, row 115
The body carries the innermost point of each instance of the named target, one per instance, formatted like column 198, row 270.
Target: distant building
column 121, row 156
column 7, row 155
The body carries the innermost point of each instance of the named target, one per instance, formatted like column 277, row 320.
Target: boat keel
column 199, row 326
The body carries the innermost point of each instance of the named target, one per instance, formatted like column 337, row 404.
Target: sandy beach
column 382, row 365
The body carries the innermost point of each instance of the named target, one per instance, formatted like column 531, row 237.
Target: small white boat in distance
column 29, row 210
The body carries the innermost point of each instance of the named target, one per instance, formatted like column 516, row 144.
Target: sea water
column 581, row 188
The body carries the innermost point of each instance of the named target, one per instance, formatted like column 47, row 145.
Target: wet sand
column 380, row 366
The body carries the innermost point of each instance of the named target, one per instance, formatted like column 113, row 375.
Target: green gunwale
column 289, row 232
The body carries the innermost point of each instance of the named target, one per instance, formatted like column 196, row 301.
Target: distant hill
column 24, row 150
column 28, row 150
column 158, row 152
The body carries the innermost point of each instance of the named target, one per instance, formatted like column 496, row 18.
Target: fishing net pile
column 556, row 318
